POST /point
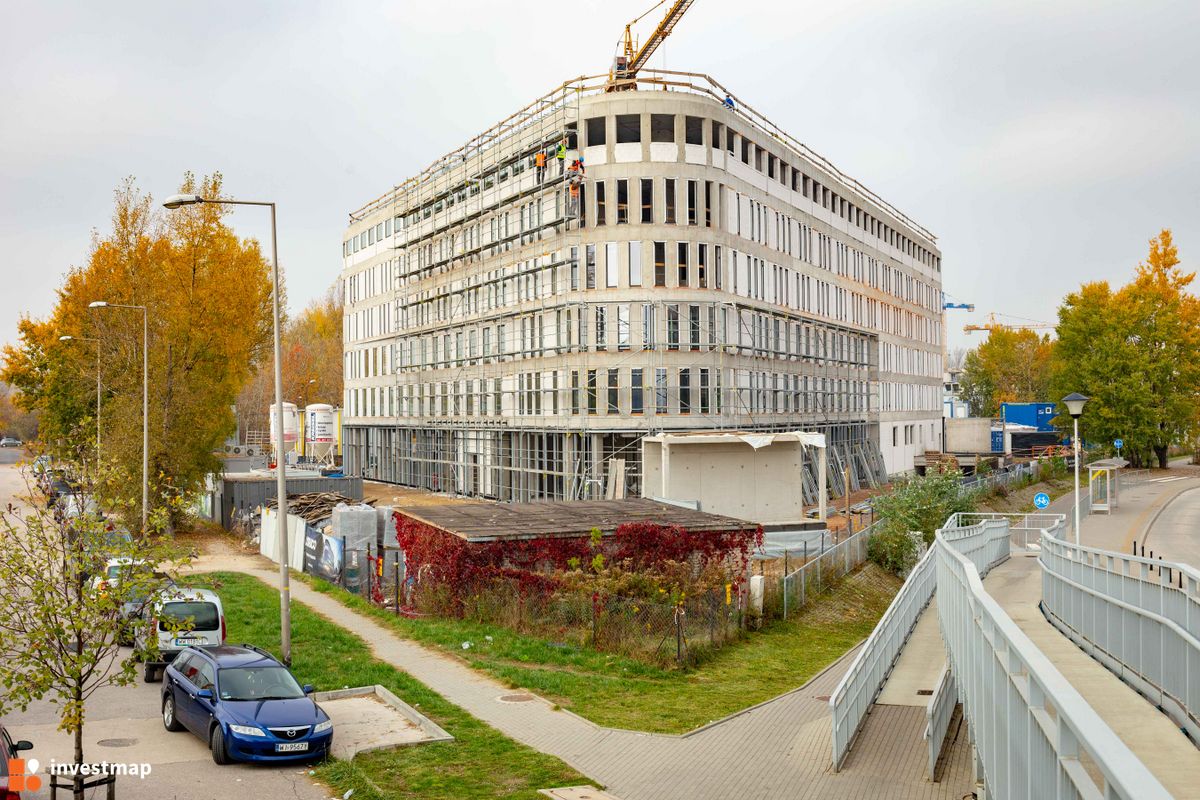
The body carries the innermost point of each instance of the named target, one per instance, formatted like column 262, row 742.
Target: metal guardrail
column 1031, row 728
column 938, row 714
column 985, row 543
column 1024, row 529
column 1138, row 617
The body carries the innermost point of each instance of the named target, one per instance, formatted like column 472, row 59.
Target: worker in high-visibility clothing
column 539, row 162
column 561, row 155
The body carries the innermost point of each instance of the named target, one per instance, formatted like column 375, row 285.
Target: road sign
column 1119, row 443
column 1041, row 499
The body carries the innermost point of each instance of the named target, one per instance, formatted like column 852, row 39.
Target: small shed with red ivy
column 458, row 543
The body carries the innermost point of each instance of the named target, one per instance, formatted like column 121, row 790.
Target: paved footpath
column 780, row 748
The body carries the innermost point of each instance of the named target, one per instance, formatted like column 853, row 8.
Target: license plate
column 186, row 642
column 291, row 747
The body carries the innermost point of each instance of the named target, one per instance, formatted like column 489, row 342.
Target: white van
column 198, row 612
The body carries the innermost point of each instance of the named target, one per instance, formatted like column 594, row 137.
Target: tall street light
column 1074, row 403
column 285, row 609
column 145, row 404
column 97, row 343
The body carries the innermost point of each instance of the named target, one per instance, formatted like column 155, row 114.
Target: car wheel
column 217, row 745
column 168, row 714
column 150, row 674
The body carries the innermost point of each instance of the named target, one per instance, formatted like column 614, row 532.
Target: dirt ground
column 387, row 494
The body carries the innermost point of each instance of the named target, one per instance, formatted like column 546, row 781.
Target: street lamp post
column 285, row 609
column 145, row 404
column 97, row 343
column 1074, row 403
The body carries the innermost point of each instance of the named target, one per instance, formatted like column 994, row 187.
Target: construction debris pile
column 316, row 507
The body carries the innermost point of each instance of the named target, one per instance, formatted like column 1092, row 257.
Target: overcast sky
column 1044, row 143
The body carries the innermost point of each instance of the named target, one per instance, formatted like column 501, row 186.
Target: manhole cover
column 117, row 742
column 925, row 692
column 516, row 698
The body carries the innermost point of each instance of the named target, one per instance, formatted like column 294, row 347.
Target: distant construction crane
column 631, row 60
column 993, row 324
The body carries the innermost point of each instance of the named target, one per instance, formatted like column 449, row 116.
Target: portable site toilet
column 1104, row 484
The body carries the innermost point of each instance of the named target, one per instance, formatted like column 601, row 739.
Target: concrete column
column 665, row 456
column 822, row 483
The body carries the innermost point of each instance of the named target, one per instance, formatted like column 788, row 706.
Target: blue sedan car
column 245, row 704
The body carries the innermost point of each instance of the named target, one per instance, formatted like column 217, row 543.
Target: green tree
column 208, row 298
column 61, row 625
column 920, row 503
column 1136, row 353
column 1012, row 366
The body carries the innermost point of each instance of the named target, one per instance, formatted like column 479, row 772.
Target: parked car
column 9, row 749
column 245, row 704
column 201, row 621
column 134, row 606
column 9, row 441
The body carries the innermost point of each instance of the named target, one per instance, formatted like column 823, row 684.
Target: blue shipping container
column 1035, row 415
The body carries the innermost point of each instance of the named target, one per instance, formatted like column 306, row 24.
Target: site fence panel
column 1033, row 732
column 815, row 575
column 1139, row 617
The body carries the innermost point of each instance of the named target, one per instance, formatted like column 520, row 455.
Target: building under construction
column 633, row 253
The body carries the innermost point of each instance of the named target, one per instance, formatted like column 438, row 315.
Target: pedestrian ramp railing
column 1138, row 617
column 1025, row 529
column 1034, row 735
column 985, row 543
column 939, row 712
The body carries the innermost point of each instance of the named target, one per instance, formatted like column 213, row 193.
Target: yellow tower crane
column 631, row 58
column 994, row 324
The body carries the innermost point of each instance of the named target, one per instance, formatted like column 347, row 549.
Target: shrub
column 893, row 549
column 923, row 503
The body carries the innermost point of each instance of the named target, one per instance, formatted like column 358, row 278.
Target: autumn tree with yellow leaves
column 1136, row 353
column 1012, row 366
column 208, row 295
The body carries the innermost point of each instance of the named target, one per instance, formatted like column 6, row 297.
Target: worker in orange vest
column 539, row 161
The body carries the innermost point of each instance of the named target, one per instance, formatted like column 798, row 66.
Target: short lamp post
column 145, row 404
column 285, row 606
column 1074, row 403
column 97, row 343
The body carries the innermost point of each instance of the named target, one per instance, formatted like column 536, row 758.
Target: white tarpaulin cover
column 755, row 440
column 776, row 543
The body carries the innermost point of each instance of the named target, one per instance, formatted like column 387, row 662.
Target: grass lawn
column 480, row 763
column 624, row 693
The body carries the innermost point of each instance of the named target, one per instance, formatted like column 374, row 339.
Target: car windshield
column 203, row 615
column 258, row 683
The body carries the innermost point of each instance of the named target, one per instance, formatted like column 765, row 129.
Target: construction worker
column 573, row 205
column 729, row 102
column 539, row 162
column 561, row 155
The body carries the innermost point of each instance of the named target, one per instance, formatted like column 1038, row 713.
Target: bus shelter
column 1104, row 484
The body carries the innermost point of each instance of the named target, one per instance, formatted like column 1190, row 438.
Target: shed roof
column 481, row 521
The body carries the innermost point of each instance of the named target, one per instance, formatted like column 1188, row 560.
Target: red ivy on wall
column 449, row 561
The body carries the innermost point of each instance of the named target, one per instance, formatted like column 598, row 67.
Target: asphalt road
column 123, row 726
column 1175, row 534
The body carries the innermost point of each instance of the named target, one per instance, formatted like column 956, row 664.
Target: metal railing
column 859, row 687
column 938, row 714
column 1138, row 617
column 985, row 543
column 830, row 564
column 1032, row 730
column 1025, row 530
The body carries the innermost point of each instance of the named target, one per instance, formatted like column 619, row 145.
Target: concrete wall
column 734, row 479
column 970, row 435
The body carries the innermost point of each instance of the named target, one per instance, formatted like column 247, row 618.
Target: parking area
column 123, row 726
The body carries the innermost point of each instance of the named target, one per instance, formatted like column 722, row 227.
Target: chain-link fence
column 794, row 590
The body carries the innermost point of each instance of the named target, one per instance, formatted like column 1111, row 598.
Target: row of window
column 628, row 128
column 617, row 391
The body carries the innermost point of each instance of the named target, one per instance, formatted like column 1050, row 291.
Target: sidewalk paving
column 780, row 748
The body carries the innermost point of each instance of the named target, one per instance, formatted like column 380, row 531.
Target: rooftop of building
column 483, row 521
column 569, row 92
